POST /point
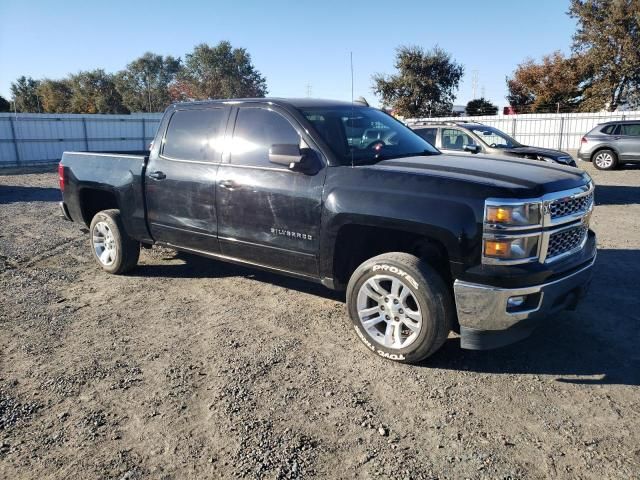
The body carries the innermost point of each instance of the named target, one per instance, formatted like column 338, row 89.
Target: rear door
column 628, row 141
column 268, row 214
column 428, row 133
column 181, row 177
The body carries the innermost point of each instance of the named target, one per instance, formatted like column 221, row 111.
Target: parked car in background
column 611, row 144
column 474, row 138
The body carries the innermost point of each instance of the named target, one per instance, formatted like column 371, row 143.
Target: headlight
column 512, row 215
column 505, row 249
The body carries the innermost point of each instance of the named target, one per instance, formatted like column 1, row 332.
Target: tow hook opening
column 523, row 303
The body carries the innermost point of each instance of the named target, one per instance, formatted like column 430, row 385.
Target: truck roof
column 293, row 102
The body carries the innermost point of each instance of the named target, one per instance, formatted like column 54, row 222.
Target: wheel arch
column 94, row 200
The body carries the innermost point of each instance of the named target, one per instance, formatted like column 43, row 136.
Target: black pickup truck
column 345, row 195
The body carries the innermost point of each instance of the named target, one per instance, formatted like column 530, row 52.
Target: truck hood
column 522, row 177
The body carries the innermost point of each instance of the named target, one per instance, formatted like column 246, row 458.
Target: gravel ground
column 191, row 368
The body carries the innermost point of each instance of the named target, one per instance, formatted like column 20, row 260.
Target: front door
column 453, row 140
column 268, row 214
column 180, row 179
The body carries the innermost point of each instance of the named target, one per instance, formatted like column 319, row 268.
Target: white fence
column 561, row 131
column 34, row 138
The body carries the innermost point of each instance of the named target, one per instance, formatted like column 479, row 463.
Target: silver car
column 611, row 144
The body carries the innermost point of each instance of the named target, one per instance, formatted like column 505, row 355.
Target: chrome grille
column 570, row 206
column 566, row 241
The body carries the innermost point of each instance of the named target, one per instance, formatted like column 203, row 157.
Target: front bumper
column 486, row 320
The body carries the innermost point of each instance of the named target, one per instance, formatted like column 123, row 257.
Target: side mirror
column 285, row 154
column 472, row 148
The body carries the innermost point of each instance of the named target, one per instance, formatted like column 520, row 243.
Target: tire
column 107, row 234
column 605, row 159
column 372, row 314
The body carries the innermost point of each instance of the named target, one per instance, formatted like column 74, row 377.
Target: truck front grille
column 570, row 206
column 566, row 241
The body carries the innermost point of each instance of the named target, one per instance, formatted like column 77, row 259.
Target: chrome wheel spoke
column 388, row 335
column 371, row 322
column 397, row 335
column 374, row 290
column 411, row 325
column 368, row 311
column 413, row 315
column 396, row 286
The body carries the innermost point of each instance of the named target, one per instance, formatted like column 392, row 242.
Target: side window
column 454, row 139
column 195, row 134
column 631, row 129
column 429, row 134
column 255, row 131
column 608, row 130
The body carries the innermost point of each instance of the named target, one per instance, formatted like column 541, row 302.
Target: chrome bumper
column 64, row 212
column 483, row 309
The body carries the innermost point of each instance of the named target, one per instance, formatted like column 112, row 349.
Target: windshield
column 362, row 135
column 494, row 137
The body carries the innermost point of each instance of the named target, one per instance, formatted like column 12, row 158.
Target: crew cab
column 347, row 196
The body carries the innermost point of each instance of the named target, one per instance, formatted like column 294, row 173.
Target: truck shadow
column 617, row 195
column 15, row 194
column 195, row 266
column 597, row 344
column 598, row 341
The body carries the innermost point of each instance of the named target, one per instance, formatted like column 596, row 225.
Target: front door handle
column 157, row 175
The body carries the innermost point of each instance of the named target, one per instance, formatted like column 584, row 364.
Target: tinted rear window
column 195, row 134
column 609, row 129
column 429, row 134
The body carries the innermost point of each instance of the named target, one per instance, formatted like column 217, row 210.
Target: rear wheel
column 605, row 159
column 112, row 248
column 400, row 307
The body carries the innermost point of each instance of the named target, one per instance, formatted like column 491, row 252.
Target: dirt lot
column 190, row 368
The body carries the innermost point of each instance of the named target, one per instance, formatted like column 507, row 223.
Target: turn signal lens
column 494, row 248
column 513, row 249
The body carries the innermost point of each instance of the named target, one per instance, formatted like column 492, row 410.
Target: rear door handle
column 157, row 175
column 229, row 184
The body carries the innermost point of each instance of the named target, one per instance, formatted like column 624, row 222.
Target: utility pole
column 308, row 86
column 474, row 84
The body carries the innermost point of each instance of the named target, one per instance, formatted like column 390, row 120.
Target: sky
column 300, row 46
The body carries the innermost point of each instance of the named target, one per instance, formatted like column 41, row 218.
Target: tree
column 24, row 92
column 545, row 86
column 5, row 106
column 144, row 83
column 55, row 95
column 481, row 106
column 424, row 85
column 95, row 92
column 607, row 40
column 219, row 72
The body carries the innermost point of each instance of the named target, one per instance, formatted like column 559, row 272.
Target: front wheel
column 112, row 248
column 400, row 307
column 605, row 160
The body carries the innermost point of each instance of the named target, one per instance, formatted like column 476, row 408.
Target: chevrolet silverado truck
column 347, row 196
